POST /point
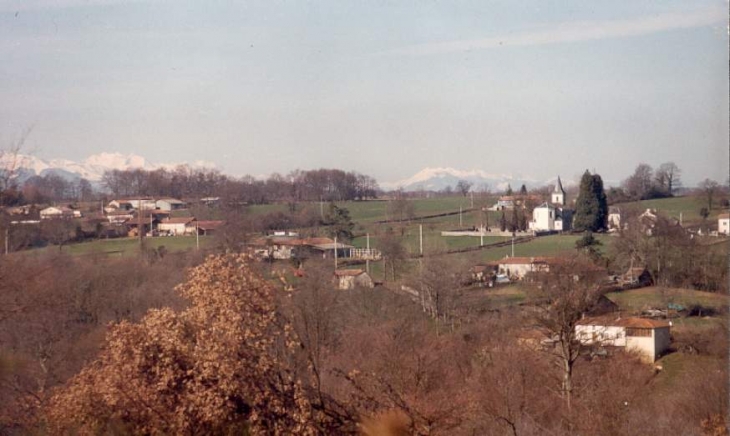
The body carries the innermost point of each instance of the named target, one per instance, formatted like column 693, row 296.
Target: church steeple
column 558, row 196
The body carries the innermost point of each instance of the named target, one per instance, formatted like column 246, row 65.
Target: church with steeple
column 552, row 216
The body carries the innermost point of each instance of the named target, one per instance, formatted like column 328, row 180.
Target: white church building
column 552, row 216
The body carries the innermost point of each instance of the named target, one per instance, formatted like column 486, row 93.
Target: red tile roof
column 608, row 320
column 348, row 272
column 723, row 216
column 210, row 225
column 179, row 220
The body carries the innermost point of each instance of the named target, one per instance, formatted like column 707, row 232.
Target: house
column 210, row 201
column 59, row 212
column 614, row 219
column 119, row 216
column 286, row 247
column 637, row 276
column 331, row 249
column 169, row 204
column 482, row 273
column 723, row 224
column 648, row 220
column 351, row 278
column 505, row 202
column 119, row 205
column 206, row 228
column 549, row 218
column 649, row 337
column 519, row 267
column 177, row 226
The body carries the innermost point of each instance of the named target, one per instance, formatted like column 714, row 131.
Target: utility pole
column 472, row 199
column 335, row 253
column 7, row 236
column 197, row 236
column 420, row 238
column 460, row 220
column 367, row 255
column 513, row 244
column 140, row 228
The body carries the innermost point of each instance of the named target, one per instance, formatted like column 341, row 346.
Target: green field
column 688, row 206
column 656, row 297
column 127, row 246
column 368, row 211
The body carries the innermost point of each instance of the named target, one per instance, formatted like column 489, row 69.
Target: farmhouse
column 170, row 204
column 350, row 278
column 119, row 216
column 132, row 203
column 177, row 226
column 518, row 267
column 59, row 212
column 723, row 224
column 650, row 338
column 285, row 247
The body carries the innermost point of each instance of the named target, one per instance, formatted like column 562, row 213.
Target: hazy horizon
column 385, row 90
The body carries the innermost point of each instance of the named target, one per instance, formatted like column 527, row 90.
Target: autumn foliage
column 212, row 368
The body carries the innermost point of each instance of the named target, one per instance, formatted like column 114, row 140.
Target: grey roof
column 559, row 187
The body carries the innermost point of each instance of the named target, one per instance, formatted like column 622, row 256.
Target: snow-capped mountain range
column 91, row 168
column 435, row 179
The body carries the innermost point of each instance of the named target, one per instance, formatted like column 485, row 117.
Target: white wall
column 543, row 218
column 723, row 226
column 601, row 335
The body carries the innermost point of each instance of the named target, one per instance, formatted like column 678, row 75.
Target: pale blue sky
column 532, row 88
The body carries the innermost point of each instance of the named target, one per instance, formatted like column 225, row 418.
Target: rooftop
column 608, row 320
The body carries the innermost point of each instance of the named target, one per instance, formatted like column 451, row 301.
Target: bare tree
column 709, row 188
column 667, row 177
column 463, row 187
column 11, row 160
column 562, row 296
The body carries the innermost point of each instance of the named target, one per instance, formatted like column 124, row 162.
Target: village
column 358, row 263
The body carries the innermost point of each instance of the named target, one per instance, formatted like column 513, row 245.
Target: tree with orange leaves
column 218, row 366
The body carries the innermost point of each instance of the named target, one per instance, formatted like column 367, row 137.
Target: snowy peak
column 439, row 178
column 92, row 168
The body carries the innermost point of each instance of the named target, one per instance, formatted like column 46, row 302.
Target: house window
column 632, row 331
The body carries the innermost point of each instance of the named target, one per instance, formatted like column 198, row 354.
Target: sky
column 529, row 88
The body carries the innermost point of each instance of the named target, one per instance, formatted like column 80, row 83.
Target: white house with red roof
column 649, row 337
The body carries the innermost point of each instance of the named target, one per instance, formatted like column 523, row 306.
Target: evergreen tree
column 509, row 189
column 340, row 223
column 514, row 225
column 523, row 190
column 591, row 208
column 503, row 222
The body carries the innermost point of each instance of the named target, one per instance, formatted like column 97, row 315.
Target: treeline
column 49, row 188
column 317, row 361
column 647, row 183
column 186, row 182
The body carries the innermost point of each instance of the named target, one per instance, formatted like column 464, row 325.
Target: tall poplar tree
column 591, row 207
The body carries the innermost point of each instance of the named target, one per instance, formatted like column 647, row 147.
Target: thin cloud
column 573, row 32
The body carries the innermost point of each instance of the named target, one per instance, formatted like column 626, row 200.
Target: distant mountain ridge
column 436, row 179
column 91, row 168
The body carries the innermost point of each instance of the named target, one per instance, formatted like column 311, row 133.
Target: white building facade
column 723, row 224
